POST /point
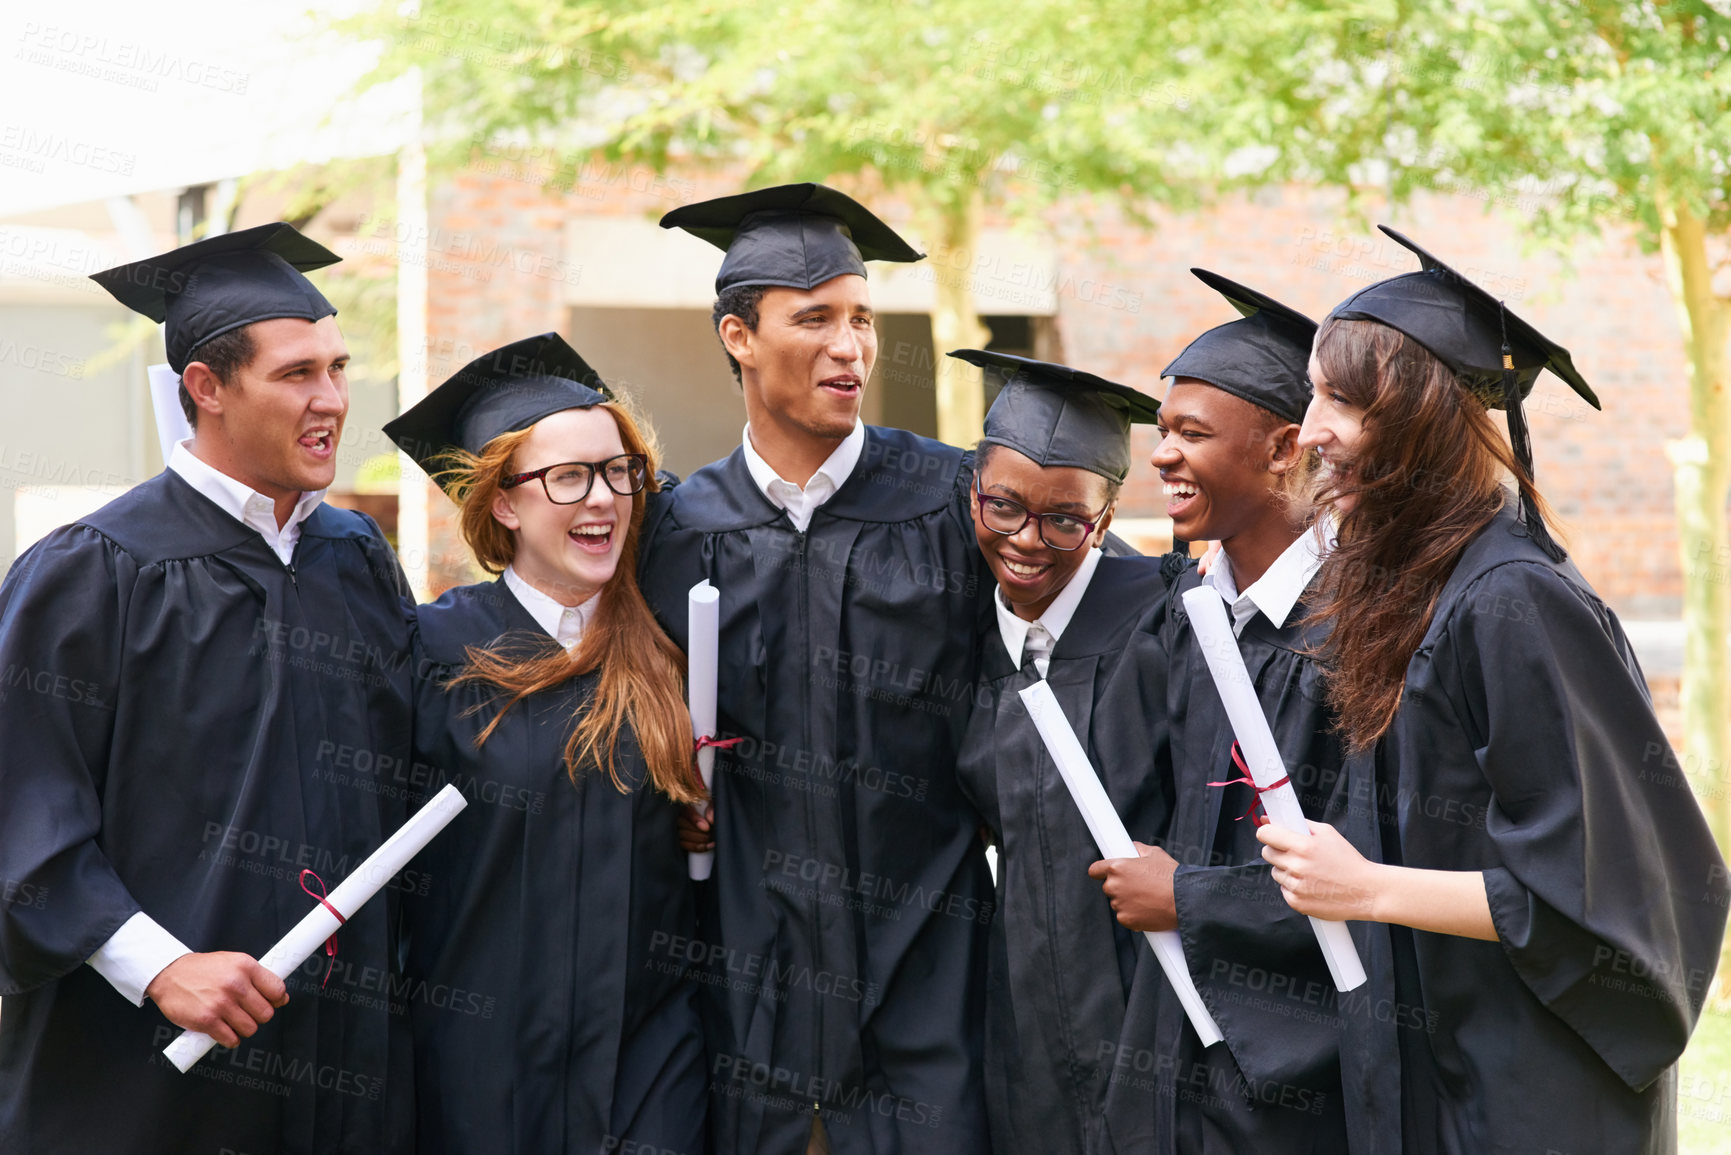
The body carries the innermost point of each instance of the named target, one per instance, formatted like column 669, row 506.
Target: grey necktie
column 1037, row 649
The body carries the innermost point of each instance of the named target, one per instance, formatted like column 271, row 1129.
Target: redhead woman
column 546, row 935
column 1552, row 897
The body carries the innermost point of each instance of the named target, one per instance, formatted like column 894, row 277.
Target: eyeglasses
column 1061, row 531
column 570, row 482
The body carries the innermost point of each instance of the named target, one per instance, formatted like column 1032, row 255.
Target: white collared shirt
column 245, row 505
column 1277, row 591
column 1014, row 630
column 139, row 951
column 801, row 502
column 563, row 623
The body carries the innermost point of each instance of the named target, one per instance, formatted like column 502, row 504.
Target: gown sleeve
column 1610, row 896
column 61, row 620
column 1255, row 960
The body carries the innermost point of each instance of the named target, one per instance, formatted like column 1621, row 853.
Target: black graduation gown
column 1274, row 1085
column 546, row 959
column 1526, row 747
column 1060, row 964
column 846, row 918
column 183, row 720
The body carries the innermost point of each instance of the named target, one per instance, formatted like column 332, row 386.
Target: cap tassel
column 1521, row 441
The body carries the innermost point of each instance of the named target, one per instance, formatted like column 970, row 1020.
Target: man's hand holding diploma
column 224, row 994
column 1140, row 888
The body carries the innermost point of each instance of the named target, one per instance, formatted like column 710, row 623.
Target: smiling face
column 1031, row 573
column 1216, row 457
column 276, row 424
column 568, row 552
column 805, row 366
column 1335, row 429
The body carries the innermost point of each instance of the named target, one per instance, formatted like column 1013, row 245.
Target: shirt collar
column 564, row 624
column 837, row 468
column 1277, row 591
column 1014, row 630
column 236, row 498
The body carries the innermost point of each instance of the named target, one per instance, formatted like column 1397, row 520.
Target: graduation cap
column 1058, row 416
column 1263, row 357
column 214, row 286
column 508, row 389
column 1494, row 353
column 1466, row 328
column 794, row 235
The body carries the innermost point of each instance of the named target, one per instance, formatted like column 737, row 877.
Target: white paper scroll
column 702, row 656
column 171, row 424
column 1262, row 757
column 1113, row 840
column 351, row 894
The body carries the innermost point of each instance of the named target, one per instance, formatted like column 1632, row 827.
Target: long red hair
column 642, row 673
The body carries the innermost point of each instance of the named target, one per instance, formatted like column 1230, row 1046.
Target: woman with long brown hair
column 549, row 927
column 1552, row 897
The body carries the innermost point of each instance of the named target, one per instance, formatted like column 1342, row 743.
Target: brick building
column 506, row 259
column 503, row 259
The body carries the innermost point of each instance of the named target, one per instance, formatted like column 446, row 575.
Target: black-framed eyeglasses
column 1061, row 531
column 570, row 481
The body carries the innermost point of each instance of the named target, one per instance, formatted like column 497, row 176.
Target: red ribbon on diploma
column 331, row 942
column 706, row 743
column 1255, row 799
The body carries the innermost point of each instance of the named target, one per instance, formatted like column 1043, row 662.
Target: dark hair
column 226, row 354
column 983, row 453
column 738, row 301
column 1427, row 476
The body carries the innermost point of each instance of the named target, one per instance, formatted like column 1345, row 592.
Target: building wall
column 1127, row 305
column 77, row 433
column 670, row 364
column 78, row 423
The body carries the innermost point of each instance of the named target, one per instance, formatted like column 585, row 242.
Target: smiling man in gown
column 847, row 914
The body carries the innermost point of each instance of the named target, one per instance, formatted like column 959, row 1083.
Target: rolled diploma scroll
column 1112, row 839
column 351, row 894
column 702, row 656
column 1262, row 757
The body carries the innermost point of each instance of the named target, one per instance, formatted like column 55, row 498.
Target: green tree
column 954, row 105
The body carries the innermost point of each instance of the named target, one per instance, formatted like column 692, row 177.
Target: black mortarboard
column 216, row 285
column 1494, row 353
column 795, row 235
column 508, row 389
column 1055, row 415
column 1464, row 326
column 1263, row 357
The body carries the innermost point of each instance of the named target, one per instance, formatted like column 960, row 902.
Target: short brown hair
column 225, row 354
